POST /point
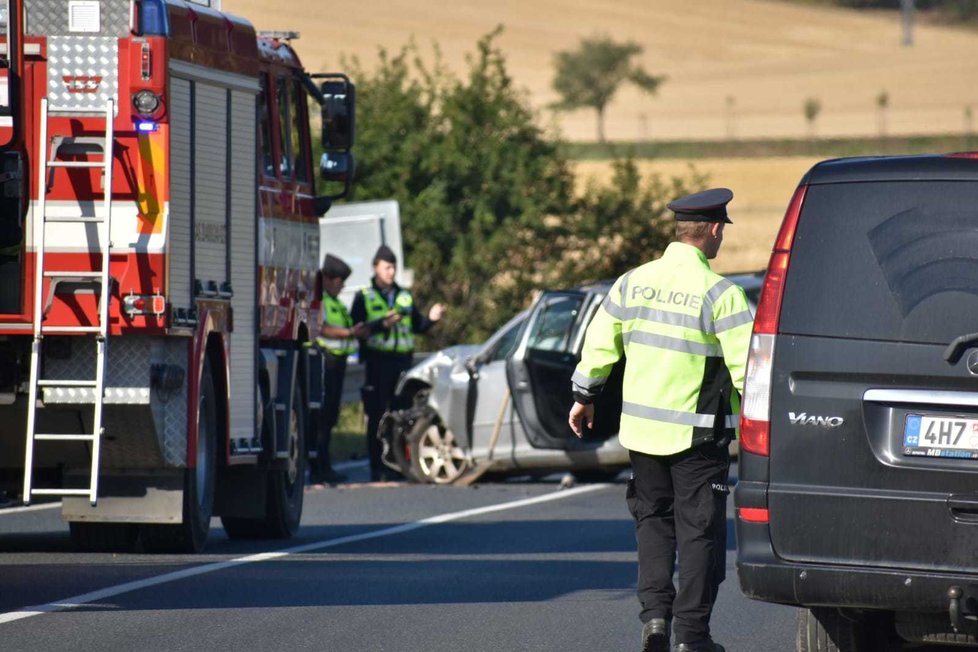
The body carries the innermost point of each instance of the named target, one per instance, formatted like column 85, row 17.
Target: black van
column 858, row 480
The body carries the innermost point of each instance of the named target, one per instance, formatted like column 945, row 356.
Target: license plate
column 930, row 436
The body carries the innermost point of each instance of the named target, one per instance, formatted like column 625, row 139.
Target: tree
column 621, row 224
column 589, row 76
column 474, row 176
column 811, row 108
column 882, row 104
column 487, row 200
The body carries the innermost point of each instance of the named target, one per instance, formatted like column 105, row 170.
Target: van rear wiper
column 954, row 350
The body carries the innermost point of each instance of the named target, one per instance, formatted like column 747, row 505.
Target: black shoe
column 655, row 635
column 706, row 645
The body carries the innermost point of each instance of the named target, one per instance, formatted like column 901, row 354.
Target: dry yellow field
column 767, row 57
column 762, row 188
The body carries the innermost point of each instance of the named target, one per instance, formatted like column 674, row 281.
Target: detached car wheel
column 436, row 457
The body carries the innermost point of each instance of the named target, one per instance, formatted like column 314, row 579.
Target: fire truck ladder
column 98, row 280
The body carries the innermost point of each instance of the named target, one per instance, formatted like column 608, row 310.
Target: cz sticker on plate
column 931, row 436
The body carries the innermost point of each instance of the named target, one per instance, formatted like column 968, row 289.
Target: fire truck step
column 76, row 164
column 62, row 437
column 60, row 492
column 73, row 275
column 79, row 219
column 66, row 383
column 70, row 329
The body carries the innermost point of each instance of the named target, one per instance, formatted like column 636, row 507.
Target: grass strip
column 818, row 147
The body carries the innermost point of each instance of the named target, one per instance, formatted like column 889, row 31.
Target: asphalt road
column 508, row 566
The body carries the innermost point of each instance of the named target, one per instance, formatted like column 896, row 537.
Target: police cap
column 384, row 253
column 334, row 267
column 706, row 206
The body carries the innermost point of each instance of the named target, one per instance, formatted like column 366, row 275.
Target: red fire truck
column 153, row 313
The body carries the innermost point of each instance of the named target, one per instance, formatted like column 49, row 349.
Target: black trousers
column 334, row 371
column 679, row 503
column 382, row 372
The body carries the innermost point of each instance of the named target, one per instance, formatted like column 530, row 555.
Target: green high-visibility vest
column 334, row 313
column 685, row 332
column 400, row 337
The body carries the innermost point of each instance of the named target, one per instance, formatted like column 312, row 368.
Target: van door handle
column 963, row 507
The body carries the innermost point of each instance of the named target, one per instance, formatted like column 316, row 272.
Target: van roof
column 894, row 168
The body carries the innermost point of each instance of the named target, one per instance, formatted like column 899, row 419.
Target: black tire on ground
column 823, row 629
column 198, row 495
column 103, row 537
column 436, row 456
column 284, row 494
column 286, row 487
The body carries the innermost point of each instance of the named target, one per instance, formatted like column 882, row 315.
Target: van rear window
column 895, row 261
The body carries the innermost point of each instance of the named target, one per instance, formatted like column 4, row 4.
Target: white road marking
column 28, row 508
column 126, row 587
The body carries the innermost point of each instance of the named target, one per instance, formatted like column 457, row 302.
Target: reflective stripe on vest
column 400, row 337
column 334, row 313
column 684, row 332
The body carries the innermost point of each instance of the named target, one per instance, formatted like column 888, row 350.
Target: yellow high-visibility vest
column 685, row 332
column 334, row 313
column 400, row 337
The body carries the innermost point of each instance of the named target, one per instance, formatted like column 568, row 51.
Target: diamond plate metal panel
column 50, row 17
column 83, row 72
column 130, row 361
column 172, row 409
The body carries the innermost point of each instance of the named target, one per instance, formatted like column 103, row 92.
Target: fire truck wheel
column 103, row 537
column 198, row 494
column 283, row 500
column 286, row 487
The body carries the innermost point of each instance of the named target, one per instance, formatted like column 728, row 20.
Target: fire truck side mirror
column 338, row 113
column 336, row 167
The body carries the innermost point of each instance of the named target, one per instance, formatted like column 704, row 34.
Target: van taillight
column 755, row 421
column 755, row 412
column 769, row 304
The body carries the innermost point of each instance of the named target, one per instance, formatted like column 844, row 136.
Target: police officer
column 338, row 339
column 684, row 332
column 392, row 318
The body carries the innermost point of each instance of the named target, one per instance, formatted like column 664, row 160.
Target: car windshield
column 505, row 342
column 552, row 327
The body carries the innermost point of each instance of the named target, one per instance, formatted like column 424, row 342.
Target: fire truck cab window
column 284, row 126
column 300, row 155
column 265, row 120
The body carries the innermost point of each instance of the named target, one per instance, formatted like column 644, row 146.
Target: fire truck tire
column 198, row 495
column 286, row 487
column 283, row 506
column 103, row 537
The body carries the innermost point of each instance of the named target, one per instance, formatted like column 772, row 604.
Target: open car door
column 539, row 373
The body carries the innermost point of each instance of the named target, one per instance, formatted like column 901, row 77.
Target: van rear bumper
column 765, row 576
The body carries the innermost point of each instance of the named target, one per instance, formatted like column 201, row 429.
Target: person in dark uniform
column 684, row 332
column 387, row 350
column 338, row 339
